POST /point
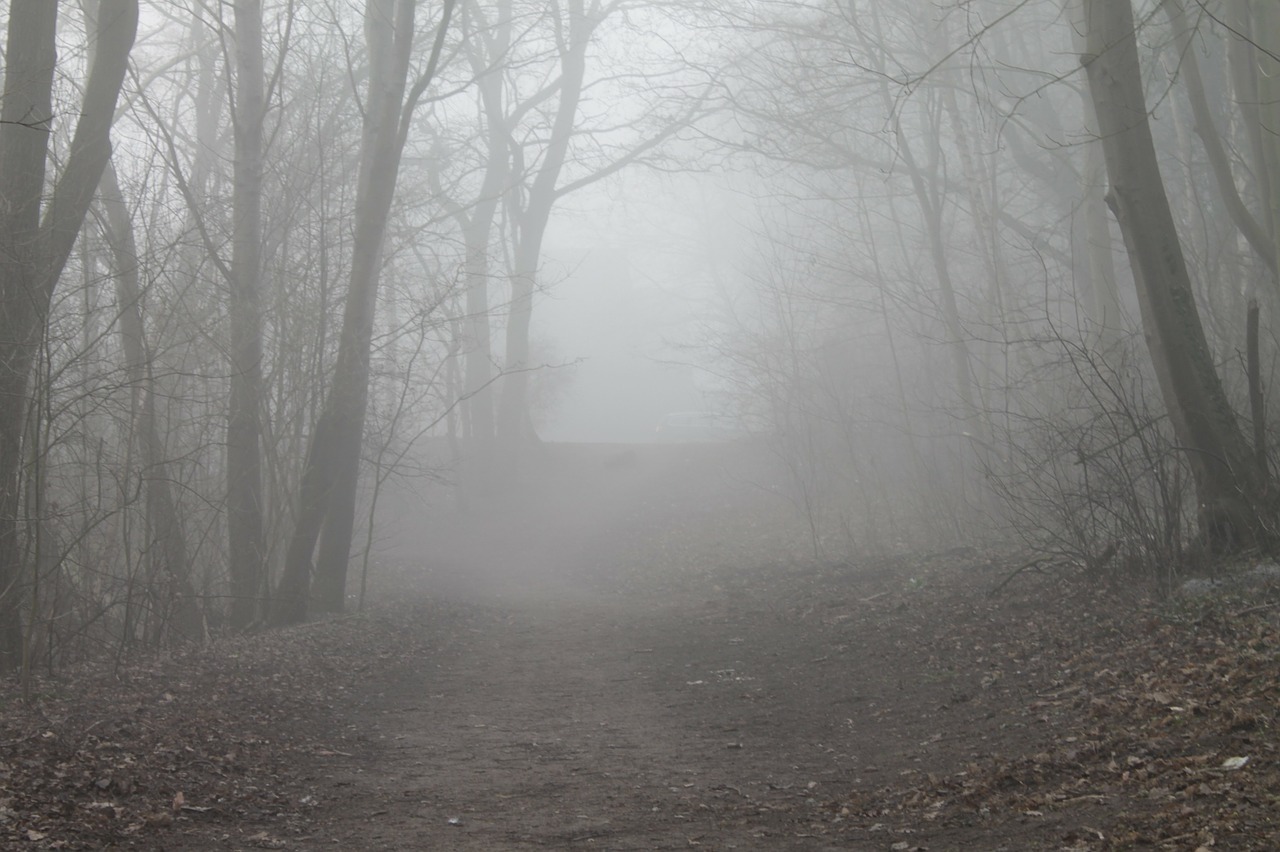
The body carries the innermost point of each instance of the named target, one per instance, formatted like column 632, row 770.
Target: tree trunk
column 1102, row 303
column 485, row 53
column 1228, row 485
column 1264, row 49
column 478, row 373
column 514, row 424
column 514, row 429
column 170, row 550
column 34, row 248
column 1215, row 151
column 962, row 360
column 328, row 488
column 246, row 548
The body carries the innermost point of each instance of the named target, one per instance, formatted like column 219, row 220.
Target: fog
column 625, row 342
column 638, row 424
column 904, row 256
column 340, row 247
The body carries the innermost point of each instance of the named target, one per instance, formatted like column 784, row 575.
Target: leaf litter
column 1052, row 716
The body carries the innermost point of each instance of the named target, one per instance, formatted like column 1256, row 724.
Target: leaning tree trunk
column 327, row 491
column 35, row 244
column 1258, row 237
column 1228, row 484
column 170, row 567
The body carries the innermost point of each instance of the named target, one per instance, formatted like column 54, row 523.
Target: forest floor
column 653, row 671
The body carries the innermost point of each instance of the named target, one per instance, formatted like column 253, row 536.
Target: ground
column 642, row 657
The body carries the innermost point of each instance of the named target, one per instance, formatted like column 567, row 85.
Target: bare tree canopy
column 968, row 273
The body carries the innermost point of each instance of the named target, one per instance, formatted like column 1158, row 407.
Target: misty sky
column 629, row 272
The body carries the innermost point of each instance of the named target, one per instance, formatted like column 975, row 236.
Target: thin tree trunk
column 486, row 54
column 171, row 552
column 962, row 361
column 328, row 488
column 1219, row 163
column 1103, row 302
column 1257, row 410
column 1264, row 50
column 514, row 424
column 486, row 44
column 478, row 401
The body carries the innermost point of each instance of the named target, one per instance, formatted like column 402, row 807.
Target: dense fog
column 639, row 424
column 287, row 286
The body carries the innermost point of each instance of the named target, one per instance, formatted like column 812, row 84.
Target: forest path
column 736, row 712
column 645, row 658
column 887, row 705
column 591, row 727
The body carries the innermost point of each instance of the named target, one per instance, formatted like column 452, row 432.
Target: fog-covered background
column 285, row 282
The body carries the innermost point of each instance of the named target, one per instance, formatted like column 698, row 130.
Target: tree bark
column 486, row 53
column 327, row 492
column 928, row 199
column 1228, row 485
column 169, row 568
column 514, row 425
column 1264, row 50
column 1257, row 410
column 246, row 547
column 1102, row 301
column 34, row 247
column 962, row 360
column 1189, row 67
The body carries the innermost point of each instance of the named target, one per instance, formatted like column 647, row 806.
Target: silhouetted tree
column 36, row 238
column 327, row 494
column 1229, row 485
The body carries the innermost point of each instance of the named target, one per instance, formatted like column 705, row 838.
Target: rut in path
column 622, row 660
column 593, row 726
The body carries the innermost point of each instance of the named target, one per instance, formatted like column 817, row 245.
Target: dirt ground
column 644, row 658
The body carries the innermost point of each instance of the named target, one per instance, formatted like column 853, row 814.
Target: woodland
column 991, row 275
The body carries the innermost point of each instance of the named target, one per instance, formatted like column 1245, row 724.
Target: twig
column 1034, row 563
column 1252, row 609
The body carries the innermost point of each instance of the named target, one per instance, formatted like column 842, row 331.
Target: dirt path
column 727, row 717
column 641, row 671
column 868, row 707
column 542, row 728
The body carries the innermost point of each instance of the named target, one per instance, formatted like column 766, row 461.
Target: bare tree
column 487, row 45
column 1229, row 485
column 531, row 210
column 35, row 239
column 554, row 152
column 1253, row 231
column 247, row 550
column 327, row 495
column 168, row 558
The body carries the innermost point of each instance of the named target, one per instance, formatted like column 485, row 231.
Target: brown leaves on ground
column 106, row 756
column 1054, row 715
column 1156, row 720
